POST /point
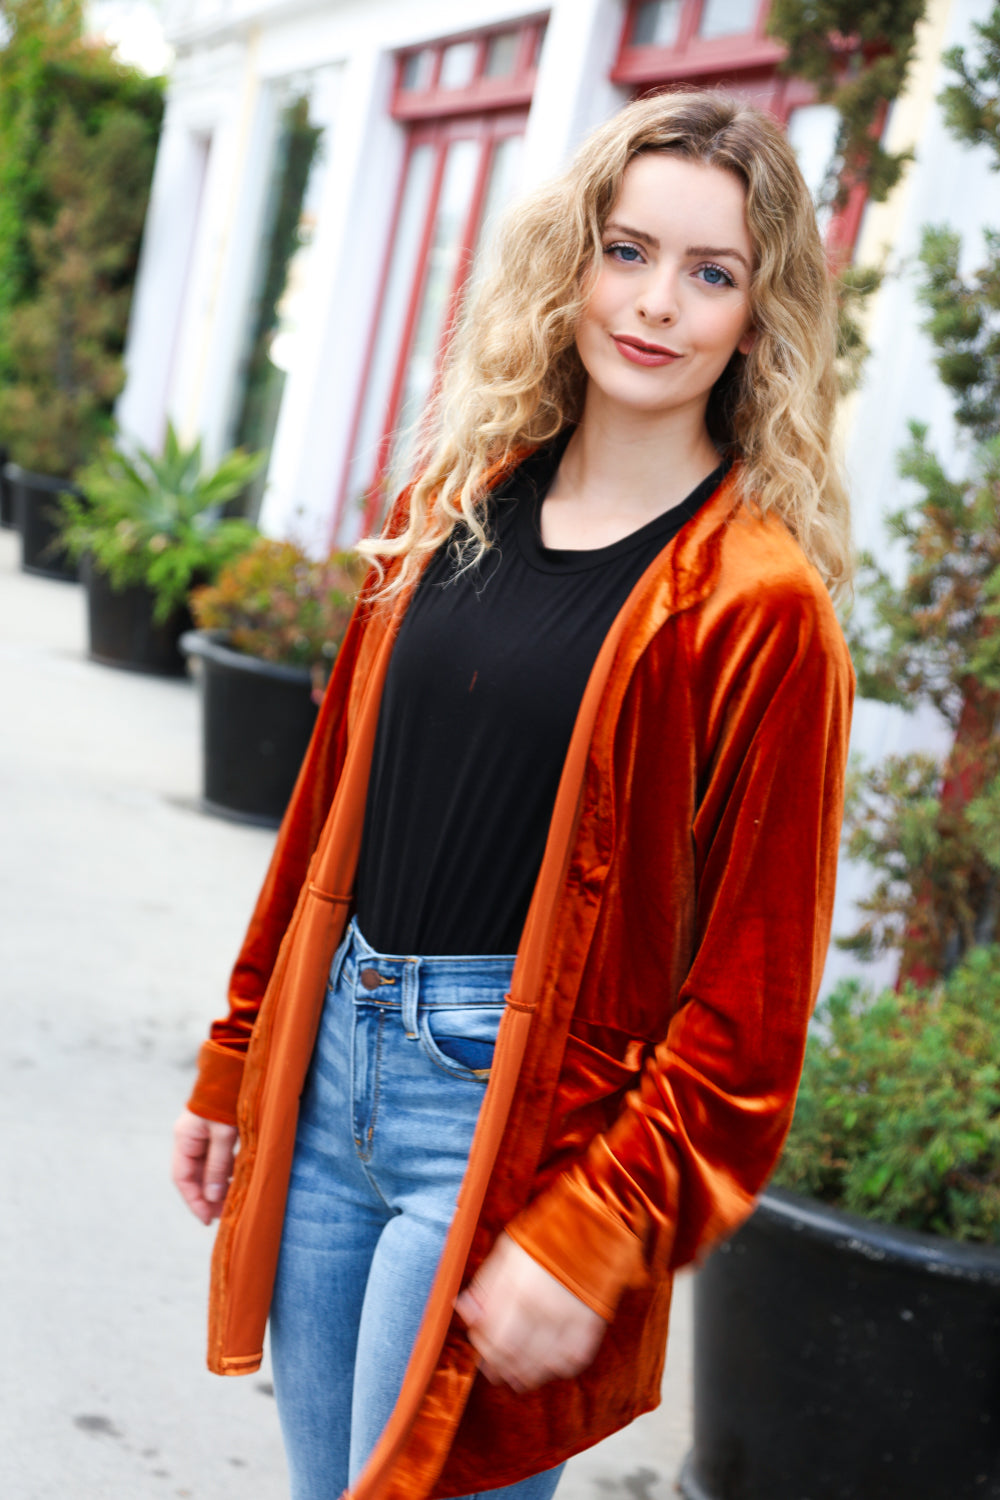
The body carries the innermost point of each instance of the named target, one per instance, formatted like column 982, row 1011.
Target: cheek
column 605, row 295
column 592, row 321
column 730, row 330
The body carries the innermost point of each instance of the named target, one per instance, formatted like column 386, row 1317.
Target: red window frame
column 692, row 56
column 512, row 90
column 747, row 62
column 490, row 129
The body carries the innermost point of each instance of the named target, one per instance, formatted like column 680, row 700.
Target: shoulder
column 765, row 583
column 765, row 616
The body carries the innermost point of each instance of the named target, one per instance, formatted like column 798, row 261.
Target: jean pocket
column 461, row 1038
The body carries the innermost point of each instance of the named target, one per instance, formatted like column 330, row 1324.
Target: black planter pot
column 256, row 721
column 35, row 499
column 7, row 520
column 123, row 632
column 840, row 1359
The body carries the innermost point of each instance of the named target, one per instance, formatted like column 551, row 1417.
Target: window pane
column 657, row 24
column 458, row 64
column 501, row 54
column 417, row 69
column 812, row 131
column 727, row 17
column 505, row 169
column 402, row 270
column 269, row 334
column 452, row 212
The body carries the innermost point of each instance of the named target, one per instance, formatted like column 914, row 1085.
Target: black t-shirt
column 481, row 694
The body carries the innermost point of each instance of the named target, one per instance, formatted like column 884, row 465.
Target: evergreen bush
column 898, row 1115
column 77, row 143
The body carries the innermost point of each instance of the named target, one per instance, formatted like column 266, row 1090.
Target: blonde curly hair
column 513, row 378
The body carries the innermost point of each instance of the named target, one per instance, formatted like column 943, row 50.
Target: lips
column 638, row 352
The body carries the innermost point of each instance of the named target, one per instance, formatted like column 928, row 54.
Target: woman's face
column 670, row 304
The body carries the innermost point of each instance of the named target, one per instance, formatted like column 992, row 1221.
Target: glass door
column 457, row 175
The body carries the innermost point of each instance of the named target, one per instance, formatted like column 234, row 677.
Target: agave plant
column 158, row 521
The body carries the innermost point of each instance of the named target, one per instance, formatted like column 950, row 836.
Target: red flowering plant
column 277, row 603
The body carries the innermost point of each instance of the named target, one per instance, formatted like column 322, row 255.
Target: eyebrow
column 650, row 239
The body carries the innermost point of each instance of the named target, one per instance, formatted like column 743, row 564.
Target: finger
column 193, row 1197
column 469, row 1307
column 219, row 1166
column 499, row 1362
column 494, row 1373
column 186, row 1169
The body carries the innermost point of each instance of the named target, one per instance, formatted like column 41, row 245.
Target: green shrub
column 898, row 1116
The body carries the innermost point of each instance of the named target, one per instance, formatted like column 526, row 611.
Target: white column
column 345, row 266
column 201, row 383
column 235, row 269
column 197, row 314
column 162, row 279
column 573, row 93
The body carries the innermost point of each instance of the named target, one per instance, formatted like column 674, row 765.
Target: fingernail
column 213, row 1191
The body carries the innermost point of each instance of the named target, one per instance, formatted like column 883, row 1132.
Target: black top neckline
column 535, row 476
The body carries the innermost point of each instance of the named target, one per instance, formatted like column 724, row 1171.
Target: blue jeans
column 385, row 1125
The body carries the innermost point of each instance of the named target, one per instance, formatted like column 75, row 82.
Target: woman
column 578, row 775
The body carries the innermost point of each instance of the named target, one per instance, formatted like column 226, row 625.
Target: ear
column 747, row 342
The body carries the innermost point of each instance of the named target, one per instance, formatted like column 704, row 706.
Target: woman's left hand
column 525, row 1326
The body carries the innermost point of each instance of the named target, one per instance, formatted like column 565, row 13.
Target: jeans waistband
column 387, row 978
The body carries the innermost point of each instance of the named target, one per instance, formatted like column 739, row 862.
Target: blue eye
column 630, row 254
column 716, row 276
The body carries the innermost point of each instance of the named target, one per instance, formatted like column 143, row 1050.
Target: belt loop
column 340, row 957
column 411, row 996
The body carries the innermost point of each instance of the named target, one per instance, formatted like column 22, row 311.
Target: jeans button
column 370, row 978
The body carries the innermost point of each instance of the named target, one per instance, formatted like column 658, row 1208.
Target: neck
column 643, row 462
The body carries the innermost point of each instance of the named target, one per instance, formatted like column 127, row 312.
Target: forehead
column 704, row 204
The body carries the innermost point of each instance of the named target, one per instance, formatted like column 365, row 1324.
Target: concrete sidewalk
column 121, row 907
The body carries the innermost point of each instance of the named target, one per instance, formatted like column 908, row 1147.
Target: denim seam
column 373, row 1184
column 365, row 1151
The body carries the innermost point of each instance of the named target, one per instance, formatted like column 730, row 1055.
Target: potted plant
column 847, row 1343
column 77, row 143
column 269, row 630
column 149, row 529
column 847, row 1339
column 6, row 503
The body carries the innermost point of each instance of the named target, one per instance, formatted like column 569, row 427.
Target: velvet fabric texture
column 645, row 1073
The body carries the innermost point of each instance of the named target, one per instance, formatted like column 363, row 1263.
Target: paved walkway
column 121, row 907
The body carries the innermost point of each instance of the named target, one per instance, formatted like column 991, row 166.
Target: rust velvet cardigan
column 646, row 1067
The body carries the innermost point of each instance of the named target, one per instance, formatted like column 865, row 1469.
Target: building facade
column 328, row 169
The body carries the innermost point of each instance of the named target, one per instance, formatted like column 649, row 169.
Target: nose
column 657, row 300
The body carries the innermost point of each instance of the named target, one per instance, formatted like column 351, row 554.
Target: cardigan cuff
column 217, row 1088
column 578, row 1242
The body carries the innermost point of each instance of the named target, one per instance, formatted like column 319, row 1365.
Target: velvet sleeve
column 695, row 1141
column 220, row 1061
